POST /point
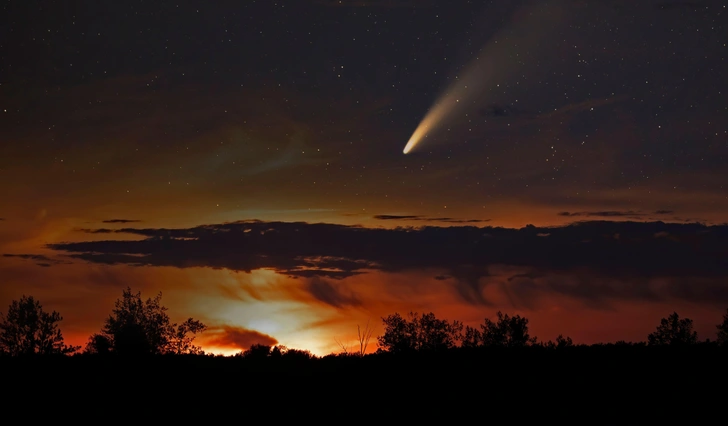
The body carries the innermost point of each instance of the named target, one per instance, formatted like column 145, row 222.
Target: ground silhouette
column 423, row 365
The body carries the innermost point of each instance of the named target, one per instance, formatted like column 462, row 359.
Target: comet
column 435, row 116
column 496, row 61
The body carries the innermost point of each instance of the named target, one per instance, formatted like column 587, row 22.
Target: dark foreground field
column 578, row 385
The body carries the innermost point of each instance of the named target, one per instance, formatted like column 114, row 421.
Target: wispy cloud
column 616, row 213
column 327, row 292
column 120, row 221
column 41, row 260
column 428, row 219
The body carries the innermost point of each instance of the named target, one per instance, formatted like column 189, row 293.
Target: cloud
column 120, row 221
column 395, row 217
column 428, row 219
column 575, row 257
column 238, row 338
column 41, row 260
column 615, row 213
column 96, row 231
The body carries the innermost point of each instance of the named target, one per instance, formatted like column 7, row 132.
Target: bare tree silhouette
column 343, row 346
column 364, row 338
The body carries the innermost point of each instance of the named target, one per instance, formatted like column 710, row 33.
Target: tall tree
column 27, row 330
column 673, row 331
column 507, row 331
column 136, row 326
column 723, row 330
column 419, row 333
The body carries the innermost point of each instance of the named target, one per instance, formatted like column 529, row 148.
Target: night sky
column 246, row 159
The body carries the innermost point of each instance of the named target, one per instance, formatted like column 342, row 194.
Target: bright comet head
column 433, row 117
column 417, row 135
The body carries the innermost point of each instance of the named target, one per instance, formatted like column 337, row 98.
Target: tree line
column 143, row 327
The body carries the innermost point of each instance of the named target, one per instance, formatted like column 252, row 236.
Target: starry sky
column 245, row 158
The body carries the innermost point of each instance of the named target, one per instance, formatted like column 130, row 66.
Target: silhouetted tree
column 510, row 332
column 257, row 351
column 99, row 344
column 723, row 330
column 398, row 336
column 561, row 342
column 297, row 355
column 420, row 333
column 472, row 337
column 184, row 334
column 27, row 329
column 673, row 331
column 143, row 327
column 276, row 352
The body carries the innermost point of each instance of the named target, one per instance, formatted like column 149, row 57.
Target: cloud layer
column 591, row 261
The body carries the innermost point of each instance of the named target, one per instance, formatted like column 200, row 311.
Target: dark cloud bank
column 593, row 261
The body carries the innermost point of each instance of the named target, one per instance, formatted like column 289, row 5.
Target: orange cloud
column 237, row 338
